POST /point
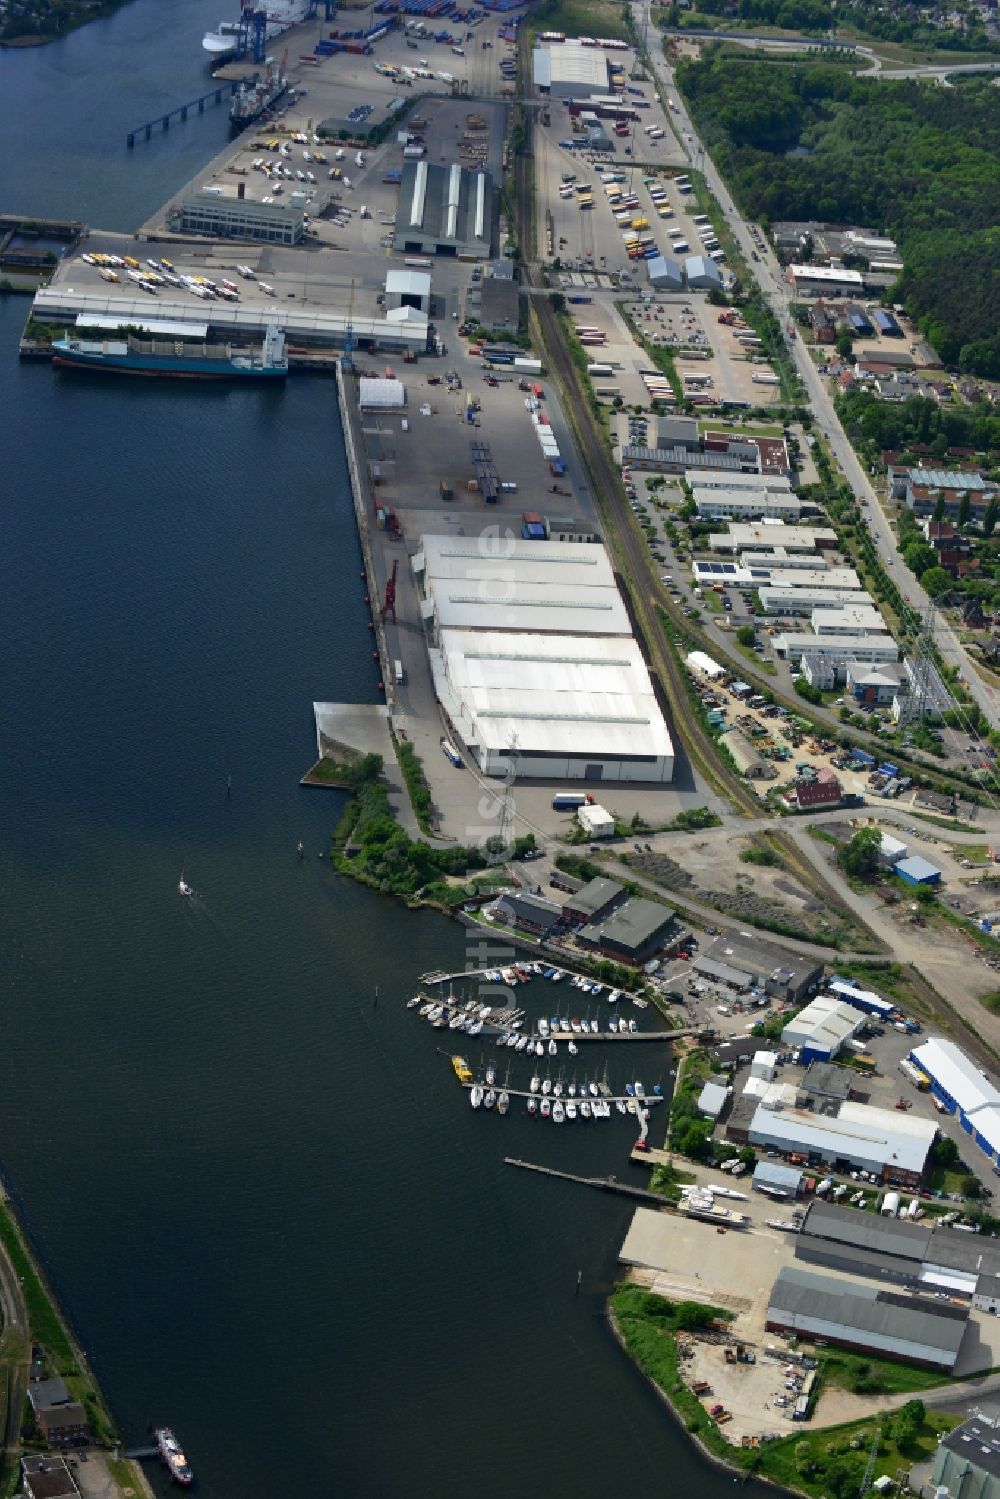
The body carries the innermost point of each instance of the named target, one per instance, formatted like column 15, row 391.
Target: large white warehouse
column 532, row 653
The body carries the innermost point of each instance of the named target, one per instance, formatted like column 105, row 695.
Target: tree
column 965, row 508
column 746, row 635
column 691, row 1314
column 939, row 510
column 845, row 344
column 971, row 1187
column 907, row 1423
column 990, row 516
column 935, row 581
column 944, row 1153
column 557, row 302
column 919, row 556
column 692, row 1137
column 859, row 856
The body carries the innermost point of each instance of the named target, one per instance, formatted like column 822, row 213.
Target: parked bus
column 451, row 752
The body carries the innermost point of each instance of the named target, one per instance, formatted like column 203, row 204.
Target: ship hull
column 177, row 369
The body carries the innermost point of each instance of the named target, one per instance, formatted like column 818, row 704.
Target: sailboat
column 476, row 1095
column 558, row 1111
column 183, row 888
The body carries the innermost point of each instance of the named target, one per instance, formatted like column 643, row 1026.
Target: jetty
column 603, row 1183
column 578, row 1098
column 181, row 111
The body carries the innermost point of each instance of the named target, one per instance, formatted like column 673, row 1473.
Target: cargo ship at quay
column 162, row 357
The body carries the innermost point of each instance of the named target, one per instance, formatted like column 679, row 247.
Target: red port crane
column 389, row 602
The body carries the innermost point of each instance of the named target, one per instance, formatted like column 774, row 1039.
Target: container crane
column 389, row 602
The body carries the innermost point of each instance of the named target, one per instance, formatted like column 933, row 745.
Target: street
column 777, row 292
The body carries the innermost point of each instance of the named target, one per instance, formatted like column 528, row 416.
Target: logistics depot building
column 532, row 653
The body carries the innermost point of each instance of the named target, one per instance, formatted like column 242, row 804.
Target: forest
column 902, row 23
column 910, row 160
column 49, row 18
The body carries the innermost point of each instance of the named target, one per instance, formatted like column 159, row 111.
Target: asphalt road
column 778, row 294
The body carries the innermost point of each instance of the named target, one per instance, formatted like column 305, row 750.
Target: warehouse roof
column 827, row 273
column 917, row 869
column 571, row 62
column 825, row 1220
column 948, row 478
column 404, row 283
column 828, row 1080
column 825, row 1021
column 712, row 1098
column 753, row 959
column 747, row 498
column 770, row 1174
column 976, row 1442
column 529, row 607
column 876, row 1137
column 558, row 693
column 699, row 661
column 594, row 896
column 445, row 203
column 156, row 327
column 948, row 1066
column 861, row 1309
column 633, row 926
column 556, row 563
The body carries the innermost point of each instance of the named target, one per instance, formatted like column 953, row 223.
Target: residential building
column 923, row 489
column 823, row 324
column 64, row 1425
column 868, row 1319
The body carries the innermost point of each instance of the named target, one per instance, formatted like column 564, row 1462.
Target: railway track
column 635, row 575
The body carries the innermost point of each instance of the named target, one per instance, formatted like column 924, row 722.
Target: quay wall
column 364, row 510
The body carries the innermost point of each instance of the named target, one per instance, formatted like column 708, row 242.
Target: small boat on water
column 183, row 888
column 462, row 1069
column 173, row 1455
column 620, row 1105
column 489, row 1099
column 571, row 1110
column 476, row 1095
column 632, row 1026
column 573, row 1049
column 593, row 1089
column 594, row 1027
column 539, row 1049
column 411, row 1004
column 543, row 1026
column 553, row 1048
column 557, row 1088
column 491, row 1074
column 547, row 1085
column 532, row 1105
column 545, row 1108
column 535, row 1084
column 585, row 1109
column 558, row 1111
column 503, row 1102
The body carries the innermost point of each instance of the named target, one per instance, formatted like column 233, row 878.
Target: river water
column 269, row 1213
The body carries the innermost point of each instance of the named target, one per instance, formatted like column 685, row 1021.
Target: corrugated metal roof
column 165, row 327
column 860, row 1309
column 873, row 1141
column 772, row 1175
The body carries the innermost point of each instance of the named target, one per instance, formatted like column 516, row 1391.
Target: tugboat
column 173, row 1455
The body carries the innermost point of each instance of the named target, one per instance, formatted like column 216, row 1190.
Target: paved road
column 778, row 294
column 15, row 1340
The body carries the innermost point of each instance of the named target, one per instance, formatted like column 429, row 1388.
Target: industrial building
column 750, row 964
column 714, row 1095
column 633, row 933
column 569, row 70
column 445, row 210
column 702, row 273
column 745, row 504
column 963, row 1089
column 519, row 908
column 524, row 586
column 665, row 273
column 222, row 217
column 893, row 1146
column 407, row 288
column 837, row 651
column 681, row 460
column 807, row 600
column 824, row 281
column 872, row 686
column 532, row 656
column 775, row 1180
column 822, row 1028
column 766, row 536
column 593, row 902
column 851, row 619
column 499, row 305
column 918, row 871
column 967, row 1460
column 898, row 1251
column 865, row 1000
column 849, row 1314
column 749, row 476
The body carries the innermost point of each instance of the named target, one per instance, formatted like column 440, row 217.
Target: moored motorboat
column 545, row 1108
column 476, row 1095
column 489, row 1099
column 503, row 1102
column 558, row 1111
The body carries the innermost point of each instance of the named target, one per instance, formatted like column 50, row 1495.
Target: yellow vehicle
column 640, row 222
column 131, row 262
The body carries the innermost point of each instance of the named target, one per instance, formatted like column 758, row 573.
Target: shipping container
column 568, row 801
